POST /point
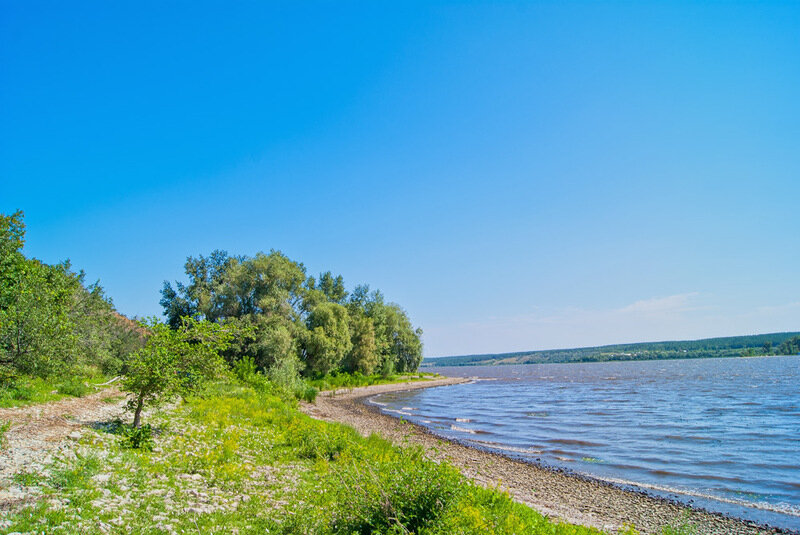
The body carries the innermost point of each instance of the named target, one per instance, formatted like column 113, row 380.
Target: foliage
column 241, row 461
column 285, row 376
column 38, row 336
column 51, row 321
column 790, row 347
column 138, row 438
column 174, row 362
column 290, row 314
column 327, row 340
column 74, row 387
column 363, row 357
column 337, row 380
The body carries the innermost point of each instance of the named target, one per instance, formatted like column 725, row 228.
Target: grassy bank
column 239, row 461
column 27, row 390
column 335, row 381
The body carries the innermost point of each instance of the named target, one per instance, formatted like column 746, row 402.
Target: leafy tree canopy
column 51, row 320
column 291, row 315
column 174, row 362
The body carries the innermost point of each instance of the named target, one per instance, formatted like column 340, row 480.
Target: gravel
column 41, row 433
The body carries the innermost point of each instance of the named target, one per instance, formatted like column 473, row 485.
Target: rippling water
column 721, row 433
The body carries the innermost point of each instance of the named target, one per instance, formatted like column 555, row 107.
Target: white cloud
column 672, row 303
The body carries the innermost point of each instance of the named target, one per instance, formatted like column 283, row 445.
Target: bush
column 309, row 394
column 8, row 377
column 138, row 438
column 315, row 441
column 73, row 387
column 376, row 488
column 245, row 368
column 132, row 438
column 22, row 392
column 285, row 375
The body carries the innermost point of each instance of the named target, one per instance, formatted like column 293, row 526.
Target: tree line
column 730, row 346
column 289, row 319
column 262, row 316
column 52, row 322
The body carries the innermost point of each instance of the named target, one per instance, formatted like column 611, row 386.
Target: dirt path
column 40, row 432
column 557, row 494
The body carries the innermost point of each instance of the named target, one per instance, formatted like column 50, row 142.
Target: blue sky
column 516, row 175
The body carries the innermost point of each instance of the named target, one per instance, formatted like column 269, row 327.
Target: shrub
column 309, row 394
column 22, row 392
column 73, row 387
column 138, row 438
column 376, row 488
column 315, row 441
column 8, row 377
column 285, row 375
column 245, row 368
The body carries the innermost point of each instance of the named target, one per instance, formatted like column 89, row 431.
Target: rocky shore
column 558, row 494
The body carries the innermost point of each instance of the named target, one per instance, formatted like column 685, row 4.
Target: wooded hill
column 731, row 346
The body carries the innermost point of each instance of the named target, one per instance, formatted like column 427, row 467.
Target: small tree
column 174, row 362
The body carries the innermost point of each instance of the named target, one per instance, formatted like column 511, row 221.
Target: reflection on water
column 724, row 433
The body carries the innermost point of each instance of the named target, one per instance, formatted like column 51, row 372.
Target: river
column 722, row 434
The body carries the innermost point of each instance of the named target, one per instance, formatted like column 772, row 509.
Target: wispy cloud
column 682, row 316
column 671, row 303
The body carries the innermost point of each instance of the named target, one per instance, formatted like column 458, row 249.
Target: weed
column 248, row 461
column 27, row 479
column 138, row 438
column 22, row 392
column 76, row 474
column 683, row 528
column 4, row 427
column 73, row 387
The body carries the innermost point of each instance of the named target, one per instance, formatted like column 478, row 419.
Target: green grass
column 25, row 390
column 683, row 528
column 347, row 380
column 239, row 461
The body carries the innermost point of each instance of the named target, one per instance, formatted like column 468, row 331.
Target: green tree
column 174, row 362
column 332, row 287
column 399, row 345
column 267, row 341
column 790, row 347
column 363, row 356
column 37, row 333
column 263, row 293
column 327, row 340
column 12, row 239
column 199, row 298
column 405, row 344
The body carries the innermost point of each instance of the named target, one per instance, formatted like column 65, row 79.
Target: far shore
column 558, row 494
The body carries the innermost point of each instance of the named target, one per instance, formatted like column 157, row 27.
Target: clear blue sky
column 516, row 175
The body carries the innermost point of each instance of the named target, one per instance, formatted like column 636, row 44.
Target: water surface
column 723, row 434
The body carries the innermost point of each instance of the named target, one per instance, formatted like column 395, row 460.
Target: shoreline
column 555, row 492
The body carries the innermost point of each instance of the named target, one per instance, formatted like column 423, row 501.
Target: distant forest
column 732, row 346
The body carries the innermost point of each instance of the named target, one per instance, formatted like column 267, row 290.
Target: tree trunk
column 137, row 416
